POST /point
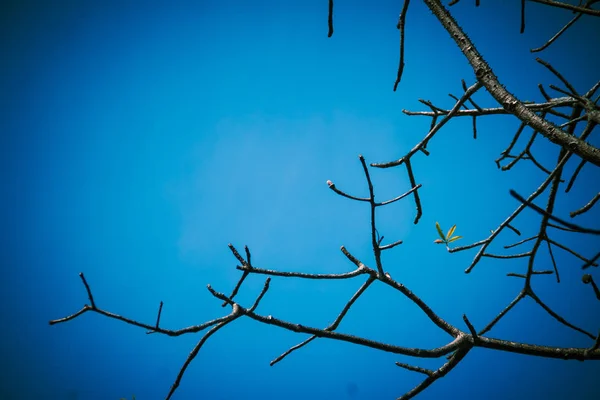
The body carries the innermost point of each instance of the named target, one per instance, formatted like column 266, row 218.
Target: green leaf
column 451, row 231
column 455, row 238
column 437, row 226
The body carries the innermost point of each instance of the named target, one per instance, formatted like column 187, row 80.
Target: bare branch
column 470, row 326
column 335, row 323
column 553, row 261
column 565, row 101
column 330, row 19
column 439, row 373
column 304, row 275
column 338, row 191
column 567, row 6
column 260, row 296
column 413, row 183
column 157, row 319
column 575, row 174
column 413, row 189
column 591, row 261
column 524, row 276
column 565, row 248
column 415, row 369
column 540, row 117
column 586, row 207
column 401, row 27
column 522, row 29
column 552, row 217
column 502, row 313
column 194, row 353
column 558, row 317
column 87, row 288
column 391, row 245
column 374, row 240
column 484, row 74
column 557, row 35
column 470, row 91
column 588, row 279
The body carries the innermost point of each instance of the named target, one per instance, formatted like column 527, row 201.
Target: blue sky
column 138, row 140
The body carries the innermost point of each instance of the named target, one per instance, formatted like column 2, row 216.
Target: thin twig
column 401, row 27
column 330, row 19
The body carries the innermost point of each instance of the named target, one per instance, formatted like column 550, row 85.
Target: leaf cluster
column 448, row 238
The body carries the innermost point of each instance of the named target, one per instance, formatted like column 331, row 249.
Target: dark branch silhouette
column 567, row 121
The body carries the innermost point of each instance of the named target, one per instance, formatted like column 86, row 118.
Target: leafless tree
column 567, row 119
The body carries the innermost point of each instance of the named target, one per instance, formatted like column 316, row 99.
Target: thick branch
column 484, row 74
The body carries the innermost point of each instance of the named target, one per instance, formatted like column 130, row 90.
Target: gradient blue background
column 137, row 139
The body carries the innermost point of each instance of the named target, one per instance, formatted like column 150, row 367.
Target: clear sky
column 138, row 139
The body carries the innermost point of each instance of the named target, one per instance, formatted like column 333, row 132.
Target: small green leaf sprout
column 447, row 238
